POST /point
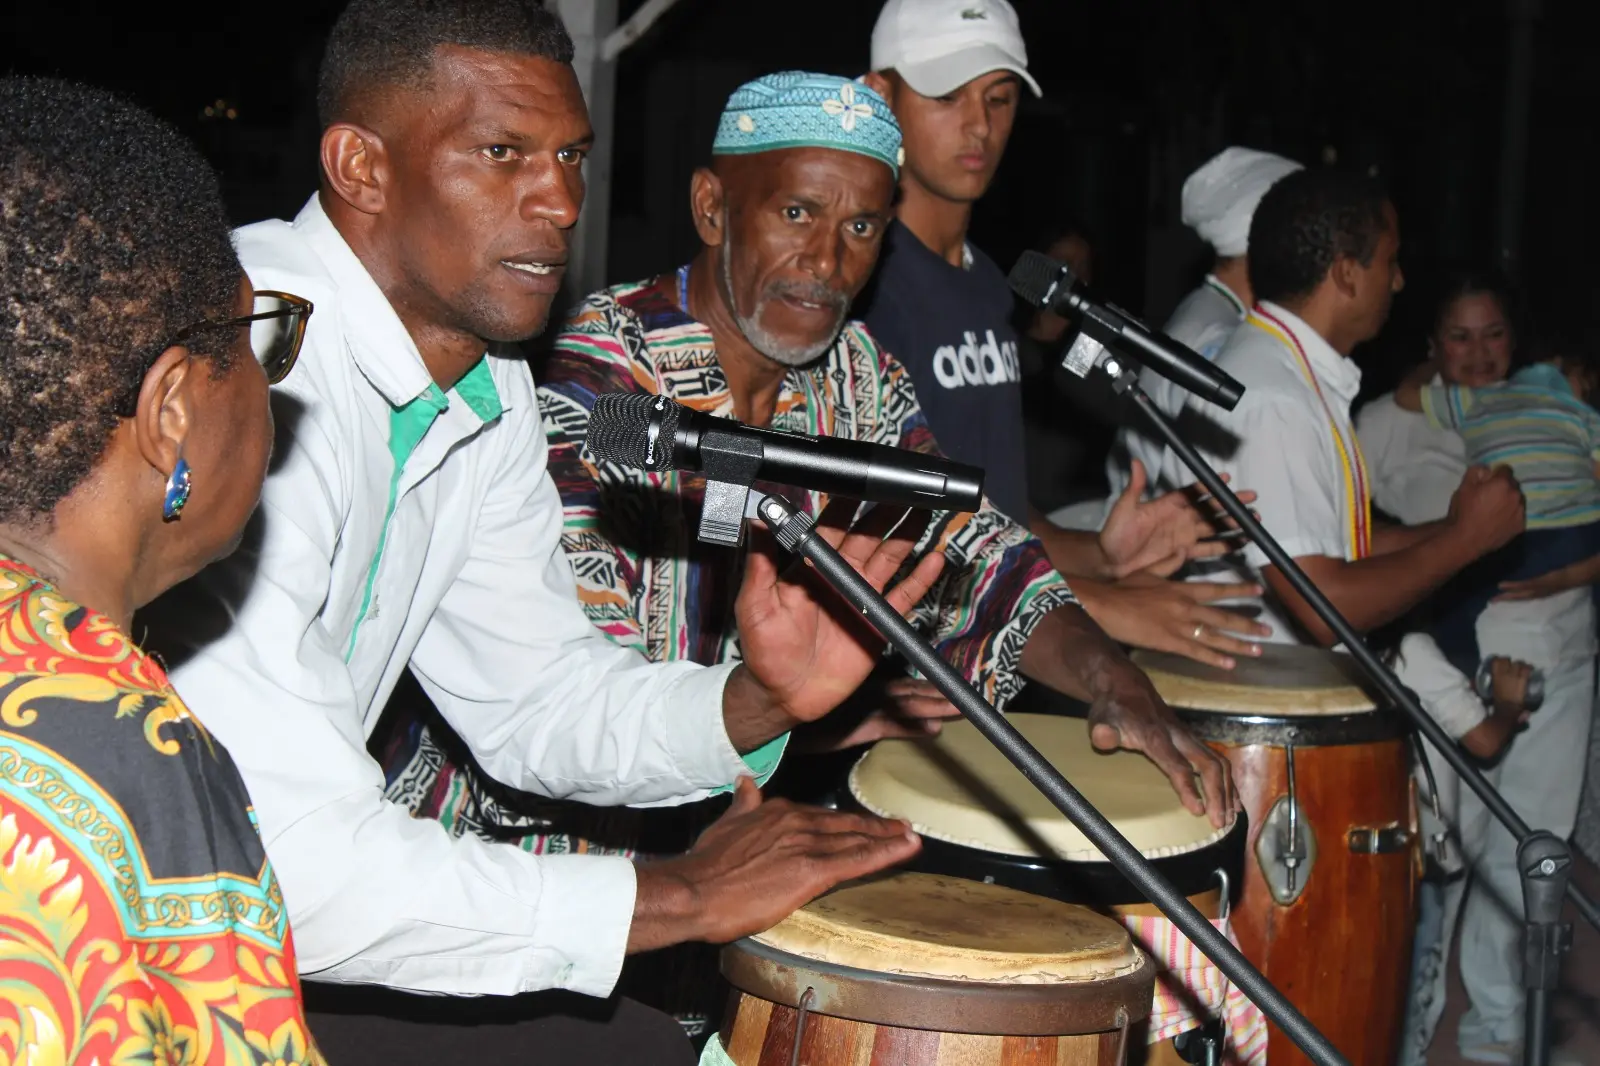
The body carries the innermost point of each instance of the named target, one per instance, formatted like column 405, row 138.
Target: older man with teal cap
column 791, row 211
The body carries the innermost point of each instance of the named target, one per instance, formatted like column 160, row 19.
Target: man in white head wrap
column 1218, row 201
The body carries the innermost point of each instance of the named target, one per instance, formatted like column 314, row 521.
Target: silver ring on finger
column 1199, row 630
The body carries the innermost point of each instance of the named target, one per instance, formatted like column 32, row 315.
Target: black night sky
column 1138, row 92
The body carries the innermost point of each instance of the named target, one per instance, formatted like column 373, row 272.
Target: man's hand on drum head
column 1069, row 652
column 1133, row 717
column 757, row 864
column 804, row 649
column 1161, row 534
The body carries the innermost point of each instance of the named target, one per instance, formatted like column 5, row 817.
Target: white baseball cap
column 938, row 46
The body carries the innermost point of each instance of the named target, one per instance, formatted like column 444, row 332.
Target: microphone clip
column 730, row 462
column 1087, row 354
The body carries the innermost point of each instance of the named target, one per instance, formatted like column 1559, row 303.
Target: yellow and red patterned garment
column 139, row 920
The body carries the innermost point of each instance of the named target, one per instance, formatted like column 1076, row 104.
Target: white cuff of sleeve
column 700, row 748
column 585, row 914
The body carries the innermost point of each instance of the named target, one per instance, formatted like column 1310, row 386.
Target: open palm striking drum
column 981, row 819
column 1328, row 903
column 921, row 970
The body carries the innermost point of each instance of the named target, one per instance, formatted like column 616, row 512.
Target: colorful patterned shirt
column 648, row 583
column 139, row 919
column 1535, row 425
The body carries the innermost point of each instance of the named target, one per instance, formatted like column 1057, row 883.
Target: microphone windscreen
column 619, row 429
column 1033, row 277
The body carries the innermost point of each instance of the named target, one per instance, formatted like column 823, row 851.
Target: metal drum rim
column 1304, row 731
column 977, row 1008
column 1191, row 872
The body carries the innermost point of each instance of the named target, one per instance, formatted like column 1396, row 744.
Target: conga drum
column 919, row 970
column 981, row 819
column 1329, row 896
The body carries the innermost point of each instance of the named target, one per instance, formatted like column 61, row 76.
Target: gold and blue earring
column 178, row 485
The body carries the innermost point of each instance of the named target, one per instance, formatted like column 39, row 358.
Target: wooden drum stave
column 982, row 820
column 919, row 970
column 1328, row 902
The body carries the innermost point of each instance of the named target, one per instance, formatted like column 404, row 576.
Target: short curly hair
column 1308, row 220
column 381, row 43
column 113, row 238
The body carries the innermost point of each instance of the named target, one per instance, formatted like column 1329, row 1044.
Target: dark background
column 1138, row 92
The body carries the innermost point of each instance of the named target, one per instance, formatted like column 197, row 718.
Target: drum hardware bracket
column 1381, row 841
column 1293, row 852
column 1201, row 1046
column 1286, row 880
column 1124, row 1023
column 1225, row 885
column 807, row 1001
column 1440, row 840
column 795, row 532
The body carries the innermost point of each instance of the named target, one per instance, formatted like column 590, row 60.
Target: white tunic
column 403, row 525
column 1204, row 321
column 1280, row 442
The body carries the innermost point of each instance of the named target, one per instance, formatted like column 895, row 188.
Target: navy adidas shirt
column 951, row 327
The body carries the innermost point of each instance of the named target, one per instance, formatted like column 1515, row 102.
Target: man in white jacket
column 409, row 520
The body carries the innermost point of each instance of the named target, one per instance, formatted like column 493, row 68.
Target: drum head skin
column 957, row 787
column 1288, row 680
column 924, row 925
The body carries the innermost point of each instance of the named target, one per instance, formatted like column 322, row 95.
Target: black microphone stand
column 794, row 531
column 1545, row 861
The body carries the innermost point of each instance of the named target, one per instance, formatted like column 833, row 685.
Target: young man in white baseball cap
column 954, row 71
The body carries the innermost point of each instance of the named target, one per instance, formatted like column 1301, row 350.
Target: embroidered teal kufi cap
column 799, row 110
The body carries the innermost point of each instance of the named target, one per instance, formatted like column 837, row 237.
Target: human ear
column 354, row 165
column 879, row 83
column 1345, row 274
column 164, row 413
column 706, row 203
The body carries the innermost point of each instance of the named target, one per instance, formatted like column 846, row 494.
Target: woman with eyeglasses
column 139, row 918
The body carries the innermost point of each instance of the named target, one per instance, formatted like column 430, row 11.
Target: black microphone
column 1043, row 282
column 654, row 433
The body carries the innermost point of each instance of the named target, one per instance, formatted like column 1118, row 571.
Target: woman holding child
column 1547, row 623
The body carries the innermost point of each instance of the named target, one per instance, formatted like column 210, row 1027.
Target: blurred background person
column 1218, row 202
column 1415, row 468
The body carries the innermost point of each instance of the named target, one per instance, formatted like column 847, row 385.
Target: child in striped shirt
column 1541, row 424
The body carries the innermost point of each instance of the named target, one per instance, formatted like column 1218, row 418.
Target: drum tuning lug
column 1286, row 847
column 1286, row 859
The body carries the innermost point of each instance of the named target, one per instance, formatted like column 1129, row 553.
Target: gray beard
column 761, row 340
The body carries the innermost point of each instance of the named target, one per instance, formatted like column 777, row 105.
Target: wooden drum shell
column 1341, row 952
column 846, row 1020
column 762, row 1033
